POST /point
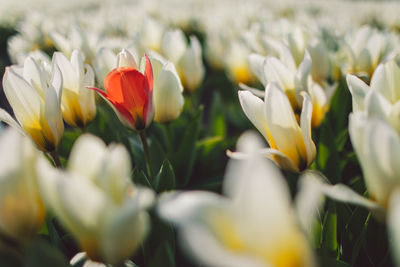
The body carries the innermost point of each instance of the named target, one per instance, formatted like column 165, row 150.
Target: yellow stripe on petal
column 71, row 109
column 225, row 231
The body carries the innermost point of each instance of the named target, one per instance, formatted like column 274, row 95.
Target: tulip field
column 199, row 133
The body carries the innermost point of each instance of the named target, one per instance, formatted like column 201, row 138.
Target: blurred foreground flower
column 96, row 200
column 291, row 146
column 77, row 103
column 35, row 98
column 21, row 207
column 129, row 91
column 254, row 225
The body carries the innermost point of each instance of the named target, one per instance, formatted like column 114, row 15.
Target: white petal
column 22, row 97
column 87, row 156
column 308, row 202
column 302, row 74
column 173, row 44
column 70, row 76
column 6, row 117
column 77, row 63
column 343, row 193
column 386, row 80
column 87, row 99
column 127, row 228
column 358, row 90
column 203, row 245
column 377, row 106
column 33, row 75
column 125, row 59
column 283, row 125
column 257, row 92
column 256, row 186
column 180, row 208
column 305, row 124
column 77, row 202
column 115, row 169
column 275, row 71
column 57, row 82
column 157, row 62
column 167, row 94
column 286, row 57
column 253, row 107
column 256, row 63
column 192, row 65
column 52, row 114
column 381, row 152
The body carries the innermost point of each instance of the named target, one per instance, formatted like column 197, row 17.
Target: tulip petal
column 256, row 63
column 77, row 202
column 122, row 114
column 22, row 97
column 70, row 77
column 386, row 80
column 302, row 74
column 275, row 71
column 126, row 59
column 377, row 105
column 53, row 116
column 115, row 171
column 253, row 107
column 305, row 124
column 77, row 63
column 381, row 151
column 342, row 193
column 200, row 242
column 6, row 117
column 257, row 92
column 34, row 76
column 90, row 148
column 283, row 126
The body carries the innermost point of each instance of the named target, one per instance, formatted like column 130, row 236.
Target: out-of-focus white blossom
column 96, row 201
column 253, row 224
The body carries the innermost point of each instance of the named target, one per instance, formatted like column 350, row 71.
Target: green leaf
column 157, row 154
column 165, row 179
column 41, row 253
column 140, row 178
column 164, row 256
column 183, row 159
column 327, row 261
column 327, row 158
column 217, row 118
column 329, row 232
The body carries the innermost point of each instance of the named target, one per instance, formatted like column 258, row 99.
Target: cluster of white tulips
column 152, row 64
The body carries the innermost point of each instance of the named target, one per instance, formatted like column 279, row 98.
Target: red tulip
column 130, row 94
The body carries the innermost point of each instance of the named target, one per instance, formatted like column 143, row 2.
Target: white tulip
column 21, row 207
column 96, row 200
column 78, row 104
column 291, row 146
column 36, row 102
column 167, row 90
column 254, row 224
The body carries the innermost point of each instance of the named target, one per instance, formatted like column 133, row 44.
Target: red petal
column 148, row 72
column 98, row 91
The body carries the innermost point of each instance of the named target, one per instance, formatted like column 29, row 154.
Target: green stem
column 146, row 150
column 56, row 158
